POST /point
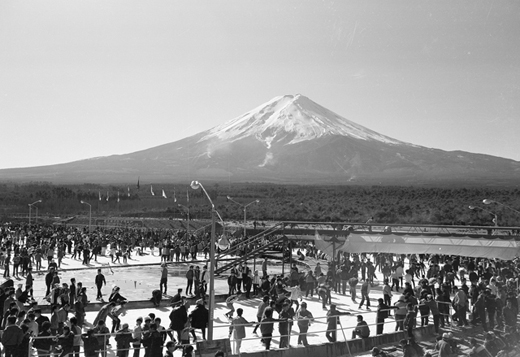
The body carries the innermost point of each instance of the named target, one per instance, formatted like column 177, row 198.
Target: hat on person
column 375, row 351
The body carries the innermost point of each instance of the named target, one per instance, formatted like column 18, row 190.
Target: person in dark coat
column 90, row 344
column 199, row 318
column 48, row 281
column 179, row 317
column 123, row 340
column 156, row 341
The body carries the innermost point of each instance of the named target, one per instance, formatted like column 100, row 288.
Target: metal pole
column 30, row 214
column 245, row 210
column 188, row 224
column 36, row 217
column 89, row 219
column 211, row 276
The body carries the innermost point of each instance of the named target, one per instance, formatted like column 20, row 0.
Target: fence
column 107, row 348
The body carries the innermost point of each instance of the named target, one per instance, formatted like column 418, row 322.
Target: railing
column 168, row 332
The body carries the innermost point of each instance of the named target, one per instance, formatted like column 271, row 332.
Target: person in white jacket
column 296, row 295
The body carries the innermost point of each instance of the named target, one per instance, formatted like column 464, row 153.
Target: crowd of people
column 417, row 290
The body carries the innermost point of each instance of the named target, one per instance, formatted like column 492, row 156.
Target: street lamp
column 487, row 201
column 89, row 215
column 485, row 210
column 30, row 206
column 244, row 207
column 188, row 219
column 211, row 304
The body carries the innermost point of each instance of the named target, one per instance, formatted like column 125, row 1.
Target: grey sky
column 80, row 79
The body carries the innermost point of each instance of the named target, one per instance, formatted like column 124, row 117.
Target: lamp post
column 188, row 218
column 244, row 207
column 487, row 201
column 211, row 304
column 30, row 206
column 89, row 215
column 485, row 210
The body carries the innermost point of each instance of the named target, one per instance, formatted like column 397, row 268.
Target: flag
column 151, row 190
column 99, row 195
column 107, row 196
column 128, row 191
column 163, row 193
column 117, row 196
column 138, row 187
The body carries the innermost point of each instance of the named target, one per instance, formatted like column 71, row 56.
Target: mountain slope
column 289, row 139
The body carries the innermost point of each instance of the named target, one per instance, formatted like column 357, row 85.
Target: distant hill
column 288, row 140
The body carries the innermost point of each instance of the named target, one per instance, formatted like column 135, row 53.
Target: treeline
column 385, row 204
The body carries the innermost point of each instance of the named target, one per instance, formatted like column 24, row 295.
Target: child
column 256, row 283
column 185, row 334
column 229, row 302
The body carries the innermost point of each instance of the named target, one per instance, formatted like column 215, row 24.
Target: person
column 479, row 310
column 232, row 283
column 267, row 327
column 409, row 319
column 104, row 312
column 123, row 339
column 102, row 336
column 383, row 311
column 179, row 318
column 460, row 305
column 284, row 329
column 170, row 348
column 116, row 297
column 190, row 275
column 324, row 293
column 352, row 283
column 387, row 293
column 434, row 309
column 100, row 281
column 260, row 312
column 156, row 341
column 76, row 331
column 296, row 294
column 229, row 303
column 310, row 280
column 408, row 350
column 164, row 279
column 44, row 342
column 376, row 352
column 199, row 318
column 12, row 337
column 90, row 344
column 444, row 346
column 362, row 330
column 509, row 315
column 493, row 344
column 332, row 322
column 264, row 267
column 176, row 299
column 304, row 320
column 65, row 342
column 136, row 336
column 365, row 290
column 238, row 330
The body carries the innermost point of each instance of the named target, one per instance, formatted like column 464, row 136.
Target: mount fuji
column 289, row 139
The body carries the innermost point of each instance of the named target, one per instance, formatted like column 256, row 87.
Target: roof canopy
column 417, row 244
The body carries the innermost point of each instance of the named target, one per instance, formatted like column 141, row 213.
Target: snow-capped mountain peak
column 291, row 119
